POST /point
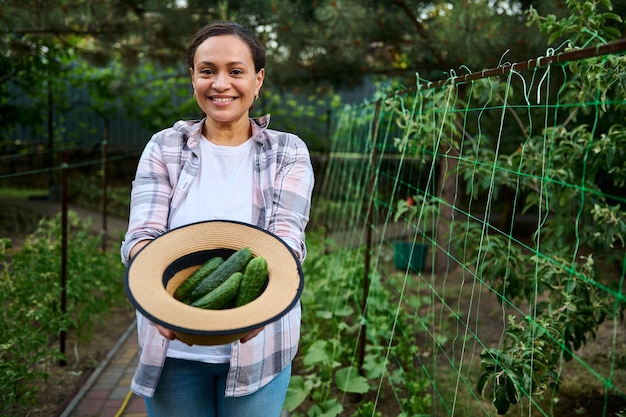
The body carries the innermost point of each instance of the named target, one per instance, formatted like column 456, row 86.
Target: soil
column 581, row 390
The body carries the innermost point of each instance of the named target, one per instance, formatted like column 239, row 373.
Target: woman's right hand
column 165, row 332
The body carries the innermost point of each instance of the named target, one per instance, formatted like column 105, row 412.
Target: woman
column 232, row 167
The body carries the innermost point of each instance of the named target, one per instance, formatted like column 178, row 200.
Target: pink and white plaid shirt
column 283, row 183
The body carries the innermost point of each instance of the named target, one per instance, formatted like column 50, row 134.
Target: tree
column 326, row 41
column 312, row 46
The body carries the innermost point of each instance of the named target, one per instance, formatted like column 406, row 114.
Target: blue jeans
column 196, row 389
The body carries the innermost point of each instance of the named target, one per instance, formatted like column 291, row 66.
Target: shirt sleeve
column 150, row 199
column 293, row 186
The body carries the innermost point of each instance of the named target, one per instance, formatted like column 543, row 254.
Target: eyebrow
column 228, row 64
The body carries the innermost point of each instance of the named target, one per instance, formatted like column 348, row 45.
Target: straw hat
column 156, row 271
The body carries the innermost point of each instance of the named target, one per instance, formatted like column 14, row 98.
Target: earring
column 193, row 94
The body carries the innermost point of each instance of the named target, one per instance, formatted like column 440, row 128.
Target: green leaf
column 329, row 408
column 344, row 311
column 373, row 366
column 501, row 400
column 489, row 358
column 323, row 314
column 349, row 380
column 611, row 15
column 511, row 390
column 316, row 353
column 613, row 32
column 296, row 392
column 483, row 382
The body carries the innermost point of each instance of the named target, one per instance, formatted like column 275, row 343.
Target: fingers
column 169, row 334
column 165, row 332
column 250, row 335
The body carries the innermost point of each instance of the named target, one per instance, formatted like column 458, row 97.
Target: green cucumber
column 253, row 282
column 187, row 286
column 221, row 296
column 234, row 263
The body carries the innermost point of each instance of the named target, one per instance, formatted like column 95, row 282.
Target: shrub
column 30, row 295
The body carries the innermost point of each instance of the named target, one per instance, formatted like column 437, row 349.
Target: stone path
column 107, row 393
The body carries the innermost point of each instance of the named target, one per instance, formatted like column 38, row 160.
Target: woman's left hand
column 250, row 335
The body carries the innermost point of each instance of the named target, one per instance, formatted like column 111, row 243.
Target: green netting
column 491, row 215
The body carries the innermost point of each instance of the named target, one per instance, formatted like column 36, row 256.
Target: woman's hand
column 169, row 334
column 165, row 332
column 250, row 335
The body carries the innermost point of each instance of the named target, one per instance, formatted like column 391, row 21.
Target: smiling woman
column 226, row 82
column 227, row 166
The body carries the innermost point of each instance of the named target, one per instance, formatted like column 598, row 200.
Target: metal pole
column 104, row 186
column 52, row 195
column 368, row 240
column 64, row 182
column 540, row 62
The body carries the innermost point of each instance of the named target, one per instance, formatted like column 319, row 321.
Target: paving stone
column 97, row 394
column 89, row 407
column 136, row 405
column 119, row 393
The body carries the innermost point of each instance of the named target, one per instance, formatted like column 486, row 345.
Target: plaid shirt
column 283, row 183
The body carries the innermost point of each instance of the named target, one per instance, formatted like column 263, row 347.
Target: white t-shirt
column 222, row 190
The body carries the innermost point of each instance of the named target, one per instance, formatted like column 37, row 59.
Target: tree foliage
column 335, row 41
column 312, row 46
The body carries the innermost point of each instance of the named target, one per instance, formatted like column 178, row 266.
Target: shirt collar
column 193, row 128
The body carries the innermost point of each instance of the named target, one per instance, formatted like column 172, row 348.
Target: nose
column 220, row 81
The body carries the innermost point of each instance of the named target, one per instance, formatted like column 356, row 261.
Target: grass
column 21, row 193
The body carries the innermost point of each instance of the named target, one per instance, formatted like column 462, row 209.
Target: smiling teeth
column 222, row 99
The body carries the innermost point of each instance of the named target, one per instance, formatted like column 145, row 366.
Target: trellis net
column 488, row 214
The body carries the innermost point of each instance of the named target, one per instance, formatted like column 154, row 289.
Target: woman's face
column 224, row 79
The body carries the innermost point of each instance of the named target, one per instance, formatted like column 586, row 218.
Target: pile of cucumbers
column 225, row 283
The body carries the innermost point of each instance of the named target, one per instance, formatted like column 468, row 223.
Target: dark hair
column 228, row 28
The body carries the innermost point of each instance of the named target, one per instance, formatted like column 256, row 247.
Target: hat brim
column 161, row 266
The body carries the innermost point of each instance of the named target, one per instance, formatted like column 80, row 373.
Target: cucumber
column 221, row 296
column 234, row 263
column 187, row 286
column 253, row 282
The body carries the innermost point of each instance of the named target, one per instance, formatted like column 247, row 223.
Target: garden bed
column 84, row 357
column 84, row 353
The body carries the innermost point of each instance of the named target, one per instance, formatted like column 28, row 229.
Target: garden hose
column 124, row 404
